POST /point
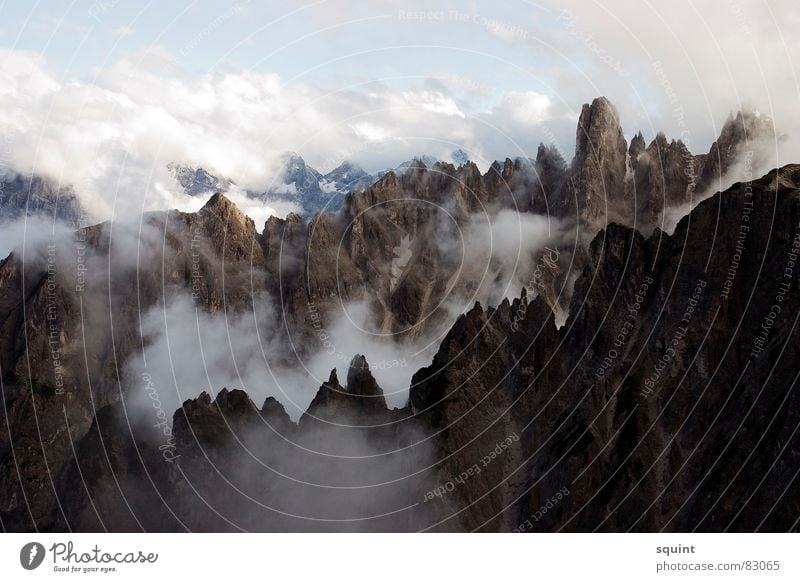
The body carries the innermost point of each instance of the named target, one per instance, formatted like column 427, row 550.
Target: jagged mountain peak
column 550, row 155
column 361, row 382
column 745, row 127
column 219, row 202
column 294, row 218
column 28, row 196
column 233, row 400
column 292, row 158
column 333, row 378
column 229, row 213
column 459, row 157
column 358, row 403
column 595, row 188
column 346, row 169
column 637, row 145
column 418, row 161
column 295, row 170
column 196, row 180
column 598, row 130
column 275, row 414
column 746, row 130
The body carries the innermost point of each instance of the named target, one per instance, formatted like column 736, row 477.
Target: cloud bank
column 112, row 136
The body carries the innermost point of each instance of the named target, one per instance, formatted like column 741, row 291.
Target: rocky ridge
column 56, row 377
column 652, row 409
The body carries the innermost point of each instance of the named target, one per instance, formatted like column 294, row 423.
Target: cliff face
column 595, row 188
column 650, row 405
column 738, row 143
column 399, row 245
column 668, row 401
column 663, row 175
column 611, row 181
column 70, row 319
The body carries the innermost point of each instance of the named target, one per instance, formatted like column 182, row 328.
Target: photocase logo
column 31, row 555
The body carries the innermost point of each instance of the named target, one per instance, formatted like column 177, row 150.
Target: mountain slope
column 653, row 408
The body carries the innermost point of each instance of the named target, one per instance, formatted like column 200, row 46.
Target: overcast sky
column 104, row 93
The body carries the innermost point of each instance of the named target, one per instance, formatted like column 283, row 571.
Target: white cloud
column 370, row 131
column 27, row 236
column 523, row 107
column 500, row 251
column 433, row 101
column 678, row 66
column 112, row 135
column 190, row 350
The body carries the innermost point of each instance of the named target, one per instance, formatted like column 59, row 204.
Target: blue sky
column 294, row 40
column 481, row 49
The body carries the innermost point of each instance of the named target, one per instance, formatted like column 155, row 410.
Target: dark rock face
column 738, row 142
column 551, row 172
column 64, row 336
column 650, row 405
column 595, row 187
column 397, row 245
column 111, row 476
column 663, row 176
column 361, row 400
